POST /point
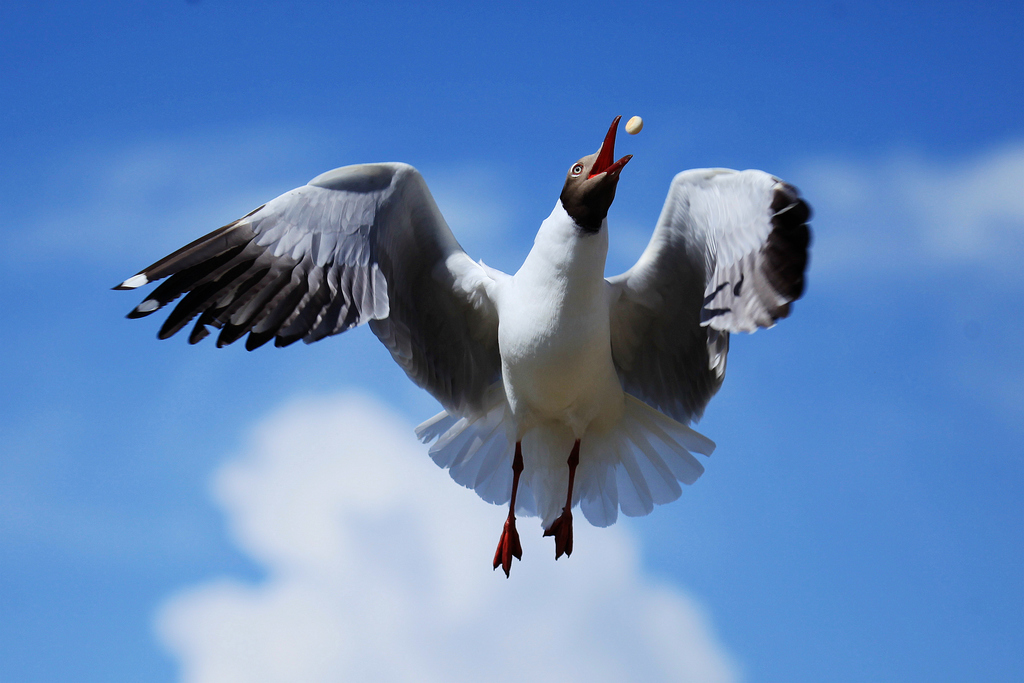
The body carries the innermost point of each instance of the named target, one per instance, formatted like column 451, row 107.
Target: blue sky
column 861, row 519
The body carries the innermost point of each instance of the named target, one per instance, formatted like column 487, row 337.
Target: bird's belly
column 552, row 379
column 560, row 370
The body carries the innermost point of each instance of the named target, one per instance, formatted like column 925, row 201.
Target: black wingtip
column 199, row 333
column 230, row 334
column 283, row 341
column 786, row 247
column 148, row 306
column 257, row 339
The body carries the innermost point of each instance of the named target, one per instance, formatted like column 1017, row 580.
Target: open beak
column 604, row 164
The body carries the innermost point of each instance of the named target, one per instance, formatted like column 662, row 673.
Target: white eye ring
column 576, row 170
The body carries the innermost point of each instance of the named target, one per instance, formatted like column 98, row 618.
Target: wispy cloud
column 955, row 228
column 152, row 197
column 100, row 205
column 477, row 213
column 910, row 213
column 378, row 568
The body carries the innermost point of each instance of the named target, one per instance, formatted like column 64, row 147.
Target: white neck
column 562, row 248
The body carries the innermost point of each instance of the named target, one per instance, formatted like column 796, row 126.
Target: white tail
column 633, row 466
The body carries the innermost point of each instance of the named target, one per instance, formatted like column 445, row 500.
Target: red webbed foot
column 561, row 529
column 508, row 547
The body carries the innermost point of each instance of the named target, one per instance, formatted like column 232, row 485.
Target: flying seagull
column 560, row 387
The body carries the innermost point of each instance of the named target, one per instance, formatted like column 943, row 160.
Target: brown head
column 590, row 184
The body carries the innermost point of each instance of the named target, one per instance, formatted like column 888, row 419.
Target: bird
column 561, row 389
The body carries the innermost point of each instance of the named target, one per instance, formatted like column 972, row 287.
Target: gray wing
column 357, row 244
column 728, row 255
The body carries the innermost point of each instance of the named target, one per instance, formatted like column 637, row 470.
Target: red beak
column 604, row 164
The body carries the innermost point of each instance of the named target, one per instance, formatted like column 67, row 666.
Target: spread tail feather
column 638, row 463
column 476, row 450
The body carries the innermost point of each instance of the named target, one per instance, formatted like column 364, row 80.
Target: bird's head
column 590, row 184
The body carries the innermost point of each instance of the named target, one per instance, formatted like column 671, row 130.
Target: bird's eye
column 577, row 169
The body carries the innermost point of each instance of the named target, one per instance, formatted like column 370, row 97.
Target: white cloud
column 378, row 568
column 906, row 213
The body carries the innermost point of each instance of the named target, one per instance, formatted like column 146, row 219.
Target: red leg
column 508, row 544
column 561, row 528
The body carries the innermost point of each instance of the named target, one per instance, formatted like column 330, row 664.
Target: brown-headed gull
column 530, row 367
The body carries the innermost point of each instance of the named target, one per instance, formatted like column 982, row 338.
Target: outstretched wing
column 728, row 255
column 357, row 244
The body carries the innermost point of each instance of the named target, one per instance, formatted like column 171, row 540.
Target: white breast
column 553, row 331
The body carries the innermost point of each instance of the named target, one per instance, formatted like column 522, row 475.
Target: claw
column 508, row 547
column 561, row 529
